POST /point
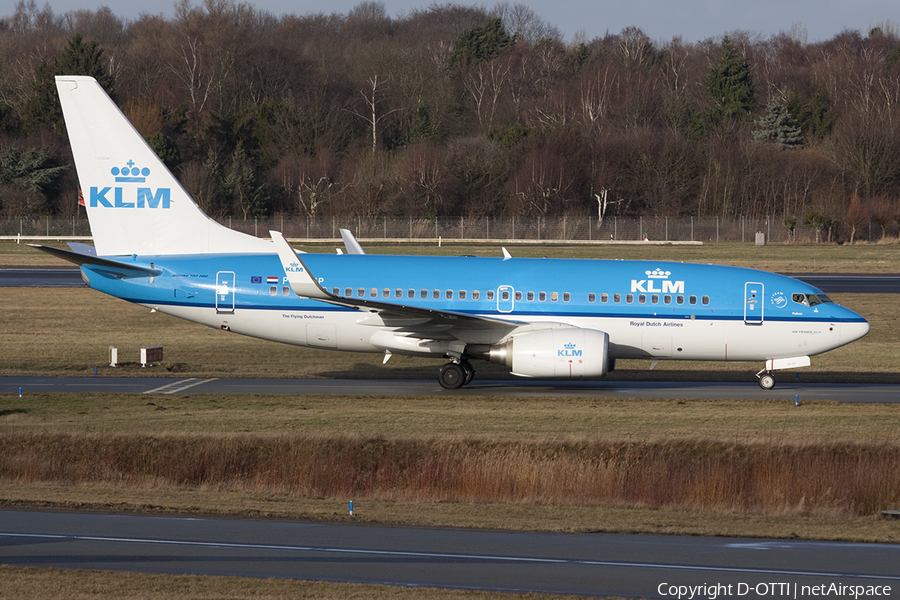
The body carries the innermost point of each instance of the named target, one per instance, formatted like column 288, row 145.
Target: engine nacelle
column 565, row 352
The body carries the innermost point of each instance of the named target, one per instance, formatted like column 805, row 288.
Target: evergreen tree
column 35, row 169
column 730, row 83
column 79, row 58
column 420, row 127
column 778, row 127
column 815, row 117
column 482, row 43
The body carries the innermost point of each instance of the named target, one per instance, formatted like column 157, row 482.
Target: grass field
column 68, row 331
column 782, row 258
column 680, row 446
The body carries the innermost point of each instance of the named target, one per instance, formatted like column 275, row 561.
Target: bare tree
column 372, row 97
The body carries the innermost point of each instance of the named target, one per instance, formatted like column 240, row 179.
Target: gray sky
column 692, row 20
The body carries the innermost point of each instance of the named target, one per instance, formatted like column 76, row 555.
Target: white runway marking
column 179, row 386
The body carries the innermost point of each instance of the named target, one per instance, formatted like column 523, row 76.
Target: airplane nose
column 850, row 332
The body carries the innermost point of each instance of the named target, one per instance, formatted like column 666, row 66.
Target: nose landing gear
column 766, row 380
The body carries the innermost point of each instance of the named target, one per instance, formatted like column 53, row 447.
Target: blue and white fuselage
column 540, row 317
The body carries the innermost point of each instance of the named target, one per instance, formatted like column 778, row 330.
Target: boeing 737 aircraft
column 544, row 318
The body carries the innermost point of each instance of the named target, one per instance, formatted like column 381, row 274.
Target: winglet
column 350, row 243
column 297, row 274
column 506, row 254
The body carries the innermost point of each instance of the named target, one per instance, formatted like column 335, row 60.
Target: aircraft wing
column 84, row 257
column 414, row 319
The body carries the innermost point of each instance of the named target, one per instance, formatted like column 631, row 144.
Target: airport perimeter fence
column 506, row 229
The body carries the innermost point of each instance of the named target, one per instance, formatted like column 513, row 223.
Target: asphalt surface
column 834, row 283
column 788, row 388
column 585, row 564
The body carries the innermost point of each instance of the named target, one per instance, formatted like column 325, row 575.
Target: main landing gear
column 766, row 380
column 454, row 375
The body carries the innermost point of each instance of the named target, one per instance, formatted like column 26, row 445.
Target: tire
column 767, row 381
column 469, row 371
column 451, row 376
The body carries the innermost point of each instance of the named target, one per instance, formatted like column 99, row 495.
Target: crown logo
column 569, row 346
column 658, row 274
column 130, row 173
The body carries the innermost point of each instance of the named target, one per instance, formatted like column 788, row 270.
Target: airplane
column 540, row 317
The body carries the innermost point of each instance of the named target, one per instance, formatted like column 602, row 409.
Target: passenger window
column 273, row 291
column 398, row 293
column 410, row 293
column 462, row 294
column 518, row 296
column 667, row 299
column 361, row 292
column 476, row 294
column 617, row 298
column 554, row 296
column 505, row 295
column 604, row 298
column 436, row 294
column 566, row 296
column 490, row 294
column 449, row 294
column 373, row 292
column 654, row 299
column 335, row 291
column 705, row 300
column 285, row 291
column 679, row 299
column 692, row 300
column 530, row 296
column 642, row 298
column 386, row 293
column 348, row 292
column 629, row 298
column 592, row 297
column 542, row 296
column 423, row 294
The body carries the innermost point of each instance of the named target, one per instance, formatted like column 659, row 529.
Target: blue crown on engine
column 130, row 173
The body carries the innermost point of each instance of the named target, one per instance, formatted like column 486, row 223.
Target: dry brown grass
column 853, row 479
column 56, row 584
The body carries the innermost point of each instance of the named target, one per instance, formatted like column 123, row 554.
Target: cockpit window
column 811, row 299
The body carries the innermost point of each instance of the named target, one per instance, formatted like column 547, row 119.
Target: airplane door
column 225, row 292
column 753, row 303
column 505, row 300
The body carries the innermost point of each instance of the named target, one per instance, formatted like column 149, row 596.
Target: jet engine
column 566, row 352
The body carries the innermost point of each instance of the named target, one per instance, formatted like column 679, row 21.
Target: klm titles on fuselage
column 141, row 197
column 657, row 276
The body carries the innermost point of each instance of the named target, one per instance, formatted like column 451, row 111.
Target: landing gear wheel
column 469, row 371
column 451, row 376
column 767, row 381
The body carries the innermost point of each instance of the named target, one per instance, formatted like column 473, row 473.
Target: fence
column 563, row 229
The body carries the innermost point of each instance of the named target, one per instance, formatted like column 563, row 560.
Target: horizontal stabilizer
column 114, row 267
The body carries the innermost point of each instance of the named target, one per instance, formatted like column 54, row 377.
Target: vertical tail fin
column 134, row 204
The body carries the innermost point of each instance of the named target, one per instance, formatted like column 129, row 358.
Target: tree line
column 463, row 111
